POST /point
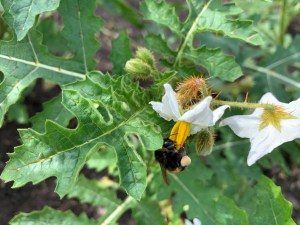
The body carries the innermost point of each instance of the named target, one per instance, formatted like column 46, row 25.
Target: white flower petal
column 168, row 108
column 187, row 222
column 269, row 98
column 294, row 108
column 200, row 116
column 263, row 143
column 218, row 113
column 196, row 221
column 244, row 126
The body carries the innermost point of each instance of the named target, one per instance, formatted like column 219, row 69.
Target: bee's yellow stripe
column 179, row 133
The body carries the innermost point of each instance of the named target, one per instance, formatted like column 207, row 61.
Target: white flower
column 190, row 122
column 195, row 222
column 267, row 129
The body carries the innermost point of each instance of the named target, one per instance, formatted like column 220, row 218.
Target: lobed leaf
column 80, row 22
column 21, row 68
column 217, row 20
column 216, row 62
column 20, row 14
column 49, row 216
column 105, row 117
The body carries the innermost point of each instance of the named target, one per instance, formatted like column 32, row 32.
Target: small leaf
column 161, row 13
column 20, row 14
column 49, row 216
column 216, row 62
column 120, row 53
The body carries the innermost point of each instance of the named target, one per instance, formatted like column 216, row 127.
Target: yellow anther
column 274, row 117
column 179, row 133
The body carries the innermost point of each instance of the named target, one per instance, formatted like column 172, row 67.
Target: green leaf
column 80, row 21
column 21, row 68
column 193, row 192
column 105, row 116
column 161, row 13
column 88, row 191
column 157, row 44
column 216, row 62
column 217, row 20
column 49, row 216
column 20, row 14
column 120, row 52
column 105, row 157
column 148, row 212
column 121, row 7
column 53, row 110
column 269, row 206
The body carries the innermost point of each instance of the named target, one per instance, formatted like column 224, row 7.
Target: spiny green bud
column 205, row 140
column 138, row 69
column 145, row 55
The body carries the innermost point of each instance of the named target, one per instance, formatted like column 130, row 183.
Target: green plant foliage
column 49, row 216
column 88, row 191
column 20, row 15
column 199, row 21
column 104, row 116
column 148, row 212
column 270, row 202
column 105, row 124
column 21, row 68
column 120, row 53
column 54, row 111
column 83, row 24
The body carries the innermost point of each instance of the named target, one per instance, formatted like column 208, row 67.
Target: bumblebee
column 170, row 159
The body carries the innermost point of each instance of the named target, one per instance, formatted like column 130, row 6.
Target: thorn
column 246, row 98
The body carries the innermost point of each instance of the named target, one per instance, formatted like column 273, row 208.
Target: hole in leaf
column 105, row 114
column 1, row 77
column 73, row 123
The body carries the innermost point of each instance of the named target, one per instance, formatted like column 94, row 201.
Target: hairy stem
column 244, row 104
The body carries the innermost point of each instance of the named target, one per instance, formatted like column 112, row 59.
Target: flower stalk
column 244, row 104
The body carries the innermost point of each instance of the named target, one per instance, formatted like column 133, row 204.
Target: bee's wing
column 164, row 174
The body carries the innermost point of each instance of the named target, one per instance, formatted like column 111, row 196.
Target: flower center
column 179, row 133
column 274, row 117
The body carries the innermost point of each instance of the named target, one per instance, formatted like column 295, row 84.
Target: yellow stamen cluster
column 179, row 133
column 191, row 91
column 274, row 117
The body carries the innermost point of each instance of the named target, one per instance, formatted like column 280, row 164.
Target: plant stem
column 282, row 22
column 273, row 74
column 244, row 104
column 191, row 31
column 119, row 211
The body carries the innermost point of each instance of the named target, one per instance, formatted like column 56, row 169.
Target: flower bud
column 146, row 56
column 138, row 69
column 205, row 140
column 191, row 90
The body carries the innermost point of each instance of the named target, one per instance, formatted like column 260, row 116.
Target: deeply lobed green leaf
column 105, row 116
